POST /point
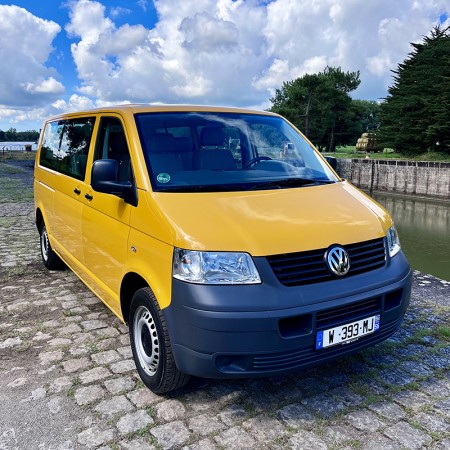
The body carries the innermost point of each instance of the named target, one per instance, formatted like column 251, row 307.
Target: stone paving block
column 416, row 368
column 307, row 440
column 170, row 410
column 51, row 357
column 412, row 399
column 388, row 410
column 108, row 332
column 59, row 341
column 60, row 384
column 409, row 437
column 127, row 365
column 106, row 357
column 89, row 325
column 336, row 435
column 118, row 385
column 94, row 437
column 95, row 374
column 264, row 428
column 236, row 438
column 435, row 388
column 364, row 420
column 39, row 336
column 88, row 394
column 204, row 444
column 444, row 445
column 134, row 422
column 136, row 444
column 74, row 365
column 69, row 329
column 171, row 435
column 325, row 404
column 107, row 344
column 232, row 414
column 125, row 352
column 432, row 422
column 443, row 406
column 115, row 405
column 396, row 377
column 378, row 442
column 144, row 397
column 295, row 415
column 205, row 424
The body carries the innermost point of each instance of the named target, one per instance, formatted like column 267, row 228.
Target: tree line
column 12, row 135
column 414, row 118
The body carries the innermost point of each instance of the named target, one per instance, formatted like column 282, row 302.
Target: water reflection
column 424, row 229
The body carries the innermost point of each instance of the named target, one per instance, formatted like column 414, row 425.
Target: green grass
column 349, row 151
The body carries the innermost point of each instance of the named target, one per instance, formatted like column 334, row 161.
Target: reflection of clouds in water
column 424, row 229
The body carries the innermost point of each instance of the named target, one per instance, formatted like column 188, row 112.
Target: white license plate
column 347, row 332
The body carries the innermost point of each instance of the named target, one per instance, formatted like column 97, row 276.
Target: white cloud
column 239, row 52
column 25, row 45
column 233, row 52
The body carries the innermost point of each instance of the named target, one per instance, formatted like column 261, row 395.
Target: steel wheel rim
column 44, row 244
column 146, row 340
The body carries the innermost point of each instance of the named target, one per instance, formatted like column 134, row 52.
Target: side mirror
column 104, row 178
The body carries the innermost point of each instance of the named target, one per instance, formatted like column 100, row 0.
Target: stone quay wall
column 429, row 179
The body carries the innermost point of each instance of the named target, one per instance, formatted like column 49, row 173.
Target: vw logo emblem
column 338, row 261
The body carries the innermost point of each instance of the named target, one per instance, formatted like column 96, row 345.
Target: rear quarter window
column 65, row 146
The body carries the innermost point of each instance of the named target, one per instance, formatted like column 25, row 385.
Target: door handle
column 77, row 191
column 88, row 197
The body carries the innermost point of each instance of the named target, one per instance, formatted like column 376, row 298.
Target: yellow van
column 221, row 236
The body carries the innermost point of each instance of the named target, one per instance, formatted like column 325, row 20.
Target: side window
column 50, row 145
column 112, row 144
column 66, row 146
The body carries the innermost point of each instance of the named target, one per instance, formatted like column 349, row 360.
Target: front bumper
column 269, row 329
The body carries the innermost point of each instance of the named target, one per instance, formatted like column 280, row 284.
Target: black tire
column 50, row 259
column 150, row 344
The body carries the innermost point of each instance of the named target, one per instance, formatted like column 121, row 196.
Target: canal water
column 424, row 229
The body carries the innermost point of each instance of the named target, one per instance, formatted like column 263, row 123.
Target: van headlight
column 393, row 241
column 214, row 267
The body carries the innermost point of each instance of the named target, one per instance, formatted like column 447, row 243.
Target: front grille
column 347, row 313
column 295, row 269
column 308, row 356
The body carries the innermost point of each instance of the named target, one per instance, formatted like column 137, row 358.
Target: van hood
column 271, row 222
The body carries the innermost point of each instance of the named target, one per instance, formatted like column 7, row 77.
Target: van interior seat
column 170, row 154
column 213, row 155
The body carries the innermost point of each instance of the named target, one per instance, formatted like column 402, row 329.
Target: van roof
column 142, row 108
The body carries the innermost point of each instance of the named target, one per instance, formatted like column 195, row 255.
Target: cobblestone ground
column 67, row 380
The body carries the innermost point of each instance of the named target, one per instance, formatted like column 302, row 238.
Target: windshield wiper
column 204, row 188
column 289, row 182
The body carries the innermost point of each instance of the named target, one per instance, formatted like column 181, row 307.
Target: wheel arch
column 130, row 284
column 39, row 218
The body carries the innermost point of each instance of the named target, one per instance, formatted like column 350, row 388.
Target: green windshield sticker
column 163, row 178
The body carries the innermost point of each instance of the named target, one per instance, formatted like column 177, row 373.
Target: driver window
column 112, row 144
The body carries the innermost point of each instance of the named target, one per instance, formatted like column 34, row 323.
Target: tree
column 318, row 104
column 416, row 113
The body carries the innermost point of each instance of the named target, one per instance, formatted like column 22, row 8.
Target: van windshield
column 210, row 152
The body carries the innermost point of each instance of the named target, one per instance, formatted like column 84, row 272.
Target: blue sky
column 78, row 54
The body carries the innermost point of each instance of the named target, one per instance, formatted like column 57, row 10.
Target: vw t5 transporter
column 221, row 236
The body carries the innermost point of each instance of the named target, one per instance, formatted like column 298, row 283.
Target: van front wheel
column 150, row 345
column 50, row 259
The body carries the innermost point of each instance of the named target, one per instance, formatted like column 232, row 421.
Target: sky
column 58, row 56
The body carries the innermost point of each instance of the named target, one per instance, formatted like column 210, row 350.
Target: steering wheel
column 253, row 161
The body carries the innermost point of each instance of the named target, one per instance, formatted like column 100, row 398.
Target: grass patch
column 17, row 156
column 349, row 151
column 442, row 333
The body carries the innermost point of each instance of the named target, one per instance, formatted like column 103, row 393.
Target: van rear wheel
column 150, row 344
column 50, row 259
